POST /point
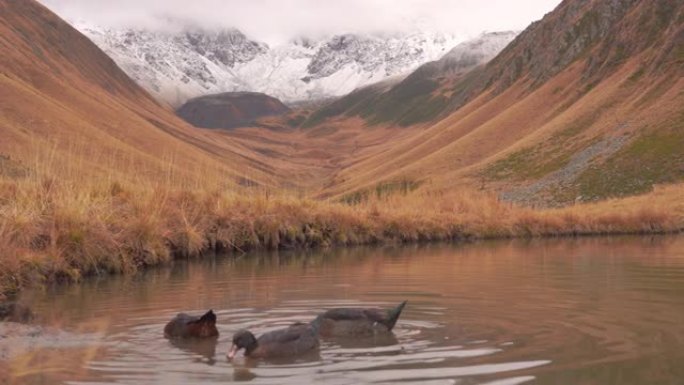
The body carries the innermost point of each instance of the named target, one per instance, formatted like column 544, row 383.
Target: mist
column 276, row 21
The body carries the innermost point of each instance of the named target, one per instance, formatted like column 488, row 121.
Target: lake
column 557, row 311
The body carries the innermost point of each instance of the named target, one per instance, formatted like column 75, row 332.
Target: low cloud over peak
column 275, row 21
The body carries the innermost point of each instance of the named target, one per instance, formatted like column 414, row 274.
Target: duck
column 357, row 322
column 188, row 326
column 292, row 341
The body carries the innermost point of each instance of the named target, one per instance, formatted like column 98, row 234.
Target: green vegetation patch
column 355, row 198
column 636, row 75
column 424, row 110
column 620, row 55
column 544, row 158
column 678, row 53
column 322, row 131
column 343, row 106
column 408, row 103
column 296, row 121
column 528, row 163
column 402, row 187
column 12, row 169
column 650, row 159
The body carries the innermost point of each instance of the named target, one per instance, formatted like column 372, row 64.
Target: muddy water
column 589, row 311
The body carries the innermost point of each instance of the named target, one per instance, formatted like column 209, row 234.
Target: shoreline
column 54, row 231
column 309, row 238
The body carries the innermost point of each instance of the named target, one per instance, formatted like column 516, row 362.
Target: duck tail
column 393, row 315
column 316, row 324
column 209, row 317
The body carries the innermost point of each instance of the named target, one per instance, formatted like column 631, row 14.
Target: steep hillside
column 585, row 104
column 184, row 62
column 66, row 105
column 230, row 110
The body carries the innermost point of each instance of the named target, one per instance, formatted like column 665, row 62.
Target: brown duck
column 357, row 322
column 188, row 326
column 292, row 341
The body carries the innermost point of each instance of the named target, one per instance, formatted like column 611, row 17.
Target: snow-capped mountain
column 424, row 94
column 176, row 66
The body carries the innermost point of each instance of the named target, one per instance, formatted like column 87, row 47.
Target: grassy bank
column 61, row 230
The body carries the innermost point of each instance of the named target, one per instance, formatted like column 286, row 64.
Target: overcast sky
column 276, row 21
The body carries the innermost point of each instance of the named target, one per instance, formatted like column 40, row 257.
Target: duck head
column 243, row 339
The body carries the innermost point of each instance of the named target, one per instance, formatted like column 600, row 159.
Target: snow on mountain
column 477, row 51
column 175, row 66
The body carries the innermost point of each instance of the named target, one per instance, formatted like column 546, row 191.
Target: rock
column 230, row 109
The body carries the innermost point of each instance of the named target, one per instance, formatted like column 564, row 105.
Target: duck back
column 187, row 326
column 295, row 340
column 357, row 322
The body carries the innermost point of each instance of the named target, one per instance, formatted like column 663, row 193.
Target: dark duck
column 188, row 326
column 295, row 340
column 357, row 322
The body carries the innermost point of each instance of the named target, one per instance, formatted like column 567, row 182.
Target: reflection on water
column 588, row 311
column 203, row 349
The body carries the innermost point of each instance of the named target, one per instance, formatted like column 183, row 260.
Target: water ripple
column 499, row 313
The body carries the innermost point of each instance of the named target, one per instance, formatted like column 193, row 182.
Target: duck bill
column 232, row 352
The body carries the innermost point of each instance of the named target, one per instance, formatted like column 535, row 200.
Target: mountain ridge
column 177, row 65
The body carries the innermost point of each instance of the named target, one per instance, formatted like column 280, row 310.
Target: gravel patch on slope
column 533, row 194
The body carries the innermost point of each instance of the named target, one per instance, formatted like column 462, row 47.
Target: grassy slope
column 63, row 98
column 520, row 131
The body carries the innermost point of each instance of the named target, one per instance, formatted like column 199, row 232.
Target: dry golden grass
column 57, row 226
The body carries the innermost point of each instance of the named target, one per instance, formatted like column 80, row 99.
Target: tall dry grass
column 59, row 224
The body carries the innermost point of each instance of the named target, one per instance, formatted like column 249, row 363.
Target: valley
column 579, row 126
column 571, row 127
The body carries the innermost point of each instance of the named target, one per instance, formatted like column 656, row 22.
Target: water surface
column 587, row 311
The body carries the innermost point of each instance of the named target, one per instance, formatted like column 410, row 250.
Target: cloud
column 280, row 20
